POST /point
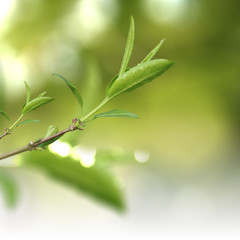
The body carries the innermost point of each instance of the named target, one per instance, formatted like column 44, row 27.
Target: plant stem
column 95, row 109
column 34, row 145
column 15, row 152
column 8, row 131
column 17, row 121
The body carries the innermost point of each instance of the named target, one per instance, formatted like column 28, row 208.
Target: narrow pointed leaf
column 128, row 48
column 138, row 75
column 153, row 52
column 74, row 91
column 41, row 95
column 35, row 103
column 116, row 113
column 27, row 121
column 4, row 114
column 28, row 92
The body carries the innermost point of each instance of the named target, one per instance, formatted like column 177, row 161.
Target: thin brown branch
column 40, row 143
column 7, row 131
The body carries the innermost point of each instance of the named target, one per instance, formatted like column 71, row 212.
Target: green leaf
column 35, row 103
column 127, row 53
column 51, row 131
column 45, row 144
column 137, row 76
column 128, row 48
column 74, row 91
column 113, row 80
column 27, row 121
column 9, row 189
column 28, row 92
column 41, row 95
column 116, row 113
column 4, row 114
column 153, row 52
column 94, row 181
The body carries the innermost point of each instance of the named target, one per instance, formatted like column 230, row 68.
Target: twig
column 7, row 131
column 37, row 144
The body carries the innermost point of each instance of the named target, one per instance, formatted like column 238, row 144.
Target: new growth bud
column 51, row 131
column 76, row 123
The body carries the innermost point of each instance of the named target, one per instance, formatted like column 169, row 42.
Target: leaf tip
column 132, row 19
column 161, row 42
column 171, row 63
column 28, row 92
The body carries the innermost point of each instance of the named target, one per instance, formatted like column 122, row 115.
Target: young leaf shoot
column 128, row 48
column 153, row 52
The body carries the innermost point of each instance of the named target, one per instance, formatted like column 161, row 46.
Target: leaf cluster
column 29, row 106
column 128, row 79
column 96, row 181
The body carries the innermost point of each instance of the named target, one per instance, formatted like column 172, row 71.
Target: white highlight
column 15, row 72
column 91, row 19
column 169, row 11
column 141, row 156
column 61, row 148
column 86, row 156
column 5, row 8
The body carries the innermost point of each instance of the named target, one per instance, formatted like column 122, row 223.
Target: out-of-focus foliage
column 41, row 18
column 96, row 181
column 8, row 188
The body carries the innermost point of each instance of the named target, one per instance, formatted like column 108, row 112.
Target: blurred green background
column 189, row 117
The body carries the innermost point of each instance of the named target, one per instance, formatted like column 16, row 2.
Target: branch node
column 75, row 124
